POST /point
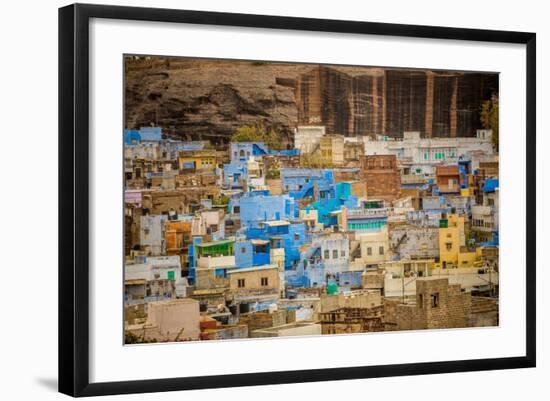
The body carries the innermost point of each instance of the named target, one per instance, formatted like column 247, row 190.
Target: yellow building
column 256, row 284
column 370, row 249
column 331, row 148
column 197, row 160
column 452, row 243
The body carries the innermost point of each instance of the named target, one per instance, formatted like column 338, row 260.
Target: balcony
column 367, row 213
column 209, row 262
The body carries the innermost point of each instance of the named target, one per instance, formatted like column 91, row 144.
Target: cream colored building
column 331, row 148
column 256, row 173
column 311, row 219
column 306, row 138
column 373, row 249
column 258, row 278
column 173, row 320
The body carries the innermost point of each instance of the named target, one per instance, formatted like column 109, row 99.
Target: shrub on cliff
column 258, row 133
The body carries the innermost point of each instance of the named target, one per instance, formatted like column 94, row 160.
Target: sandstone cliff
column 209, row 99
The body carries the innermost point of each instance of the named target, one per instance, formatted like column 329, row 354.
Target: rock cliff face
column 209, row 99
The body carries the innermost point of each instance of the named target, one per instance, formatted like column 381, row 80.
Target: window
column 296, row 237
column 435, row 300
column 171, row 275
column 406, row 267
column 243, row 249
column 369, row 251
column 240, row 283
column 343, row 253
column 491, row 202
column 381, row 250
column 327, row 254
column 421, row 300
column 335, row 254
column 449, row 246
column 264, row 281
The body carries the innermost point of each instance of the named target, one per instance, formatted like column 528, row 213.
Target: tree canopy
column 489, row 117
column 258, row 133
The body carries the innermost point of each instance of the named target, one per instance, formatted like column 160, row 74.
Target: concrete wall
column 451, row 309
column 253, row 279
column 177, row 319
column 355, row 299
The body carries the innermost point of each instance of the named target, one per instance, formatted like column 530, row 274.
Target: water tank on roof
column 332, row 288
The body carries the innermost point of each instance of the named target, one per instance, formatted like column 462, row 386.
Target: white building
column 485, row 217
column 422, row 154
column 334, row 252
column 151, row 234
column 307, row 138
column 373, row 248
column 255, row 177
column 151, row 268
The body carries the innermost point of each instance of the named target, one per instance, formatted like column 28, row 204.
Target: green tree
column 258, row 133
column 489, row 117
column 314, row 160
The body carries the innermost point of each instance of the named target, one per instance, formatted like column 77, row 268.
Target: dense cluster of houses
column 241, row 241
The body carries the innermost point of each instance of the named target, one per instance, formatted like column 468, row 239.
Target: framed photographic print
column 250, row 199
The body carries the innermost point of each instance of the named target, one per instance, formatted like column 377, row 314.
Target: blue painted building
column 255, row 252
column 281, row 234
column 352, row 279
column 256, row 209
column 234, row 206
column 490, row 185
column 192, row 258
column 447, row 204
column 464, row 168
column 150, row 134
column 234, row 175
column 331, row 199
column 299, row 182
column 242, row 151
column 131, row 137
column 144, row 134
column 285, row 152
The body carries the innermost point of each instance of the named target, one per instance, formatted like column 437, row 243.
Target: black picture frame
column 74, row 194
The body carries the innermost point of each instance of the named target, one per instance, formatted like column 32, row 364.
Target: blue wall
column 490, row 185
column 256, row 209
column 134, row 136
column 293, row 236
column 298, row 182
column 232, row 172
column 332, row 200
column 150, row 133
column 244, row 254
column 131, row 137
column 241, row 151
column 192, row 257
